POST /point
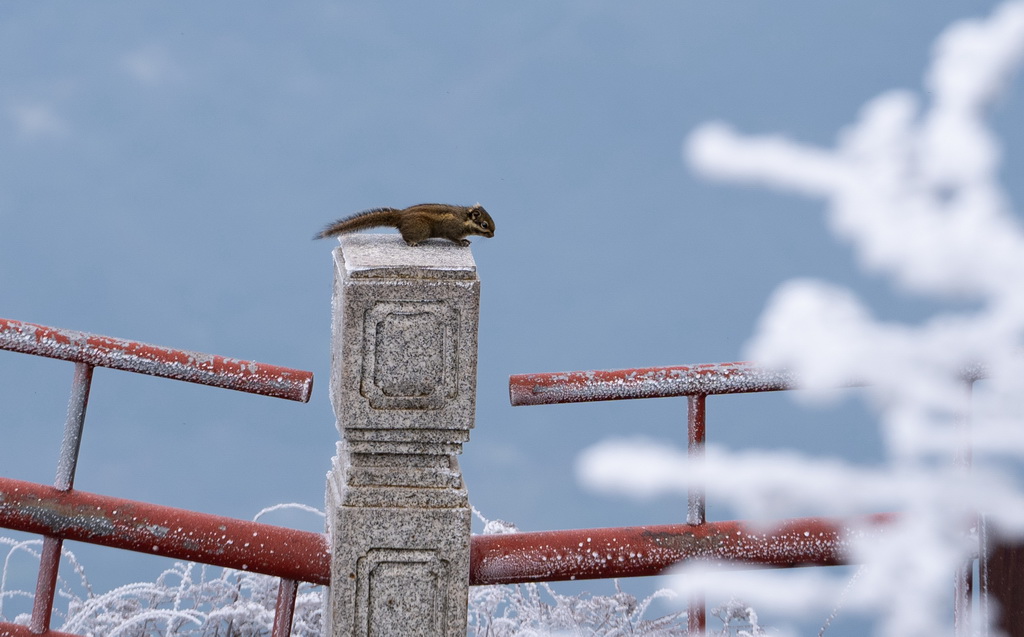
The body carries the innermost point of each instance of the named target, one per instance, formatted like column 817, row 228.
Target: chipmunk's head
column 479, row 222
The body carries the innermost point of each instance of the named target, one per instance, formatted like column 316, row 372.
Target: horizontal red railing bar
column 640, row 551
column 161, row 530
column 660, row 382
column 193, row 367
column 17, row 630
column 495, row 559
column 646, row 382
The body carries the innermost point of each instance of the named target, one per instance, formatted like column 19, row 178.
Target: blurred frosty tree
column 914, row 189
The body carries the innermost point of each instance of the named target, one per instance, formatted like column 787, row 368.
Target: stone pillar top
column 371, row 256
column 405, row 334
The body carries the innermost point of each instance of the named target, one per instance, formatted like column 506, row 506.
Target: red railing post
column 284, row 609
column 696, row 513
column 49, row 559
column 67, row 464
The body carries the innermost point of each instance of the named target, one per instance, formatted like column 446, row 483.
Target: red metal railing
column 59, row 512
column 647, row 382
column 162, row 530
column 129, row 356
column 637, row 551
column 696, row 382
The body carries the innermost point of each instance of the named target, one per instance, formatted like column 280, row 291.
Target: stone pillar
column 403, row 385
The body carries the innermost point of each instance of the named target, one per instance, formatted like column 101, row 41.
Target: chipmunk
column 420, row 222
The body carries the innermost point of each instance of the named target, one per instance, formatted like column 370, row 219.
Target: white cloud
column 152, row 65
column 37, row 120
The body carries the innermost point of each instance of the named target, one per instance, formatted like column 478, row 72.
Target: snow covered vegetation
column 913, row 187
column 192, row 600
column 186, row 599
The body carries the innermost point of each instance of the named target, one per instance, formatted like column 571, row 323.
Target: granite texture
column 403, row 386
column 387, row 256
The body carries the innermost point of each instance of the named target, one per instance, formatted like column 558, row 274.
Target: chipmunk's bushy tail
column 373, row 218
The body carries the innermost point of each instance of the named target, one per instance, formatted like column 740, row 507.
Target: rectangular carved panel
column 410, row 354
column 401, row 592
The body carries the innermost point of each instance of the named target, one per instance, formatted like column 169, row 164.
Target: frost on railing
column 142, row 358
column 189, row 598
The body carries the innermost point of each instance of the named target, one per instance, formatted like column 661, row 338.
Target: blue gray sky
column 165, row 165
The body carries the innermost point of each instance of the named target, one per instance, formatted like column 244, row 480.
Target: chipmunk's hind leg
column 414, row 230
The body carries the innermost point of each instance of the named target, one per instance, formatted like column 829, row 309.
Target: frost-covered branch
column 913, row 186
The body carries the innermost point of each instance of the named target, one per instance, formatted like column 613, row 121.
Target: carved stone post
column 403, row 385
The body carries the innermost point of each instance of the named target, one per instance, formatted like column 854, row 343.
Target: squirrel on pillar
column 420, row 222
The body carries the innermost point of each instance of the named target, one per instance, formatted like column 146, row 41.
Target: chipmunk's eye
column 484, row 225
